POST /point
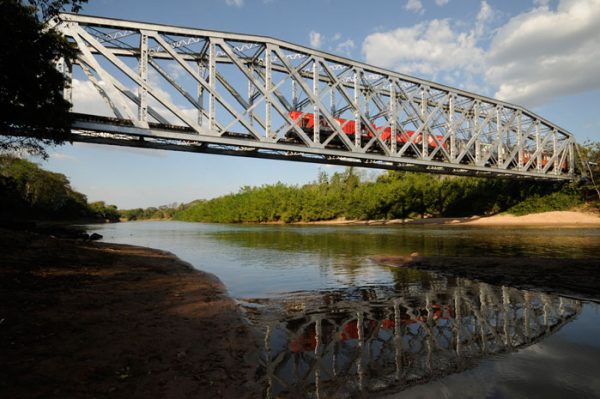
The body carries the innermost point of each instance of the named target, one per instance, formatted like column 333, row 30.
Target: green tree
column 33, row 112
column 27, row 191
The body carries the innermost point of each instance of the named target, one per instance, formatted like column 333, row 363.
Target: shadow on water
column 357, row 342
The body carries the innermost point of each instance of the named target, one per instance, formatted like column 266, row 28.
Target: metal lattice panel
column 207, row 91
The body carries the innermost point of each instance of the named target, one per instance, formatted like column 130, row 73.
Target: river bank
column 86, row 319
column 551, row 219
column 576, row 278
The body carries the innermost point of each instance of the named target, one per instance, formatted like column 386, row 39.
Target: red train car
column 306, row 122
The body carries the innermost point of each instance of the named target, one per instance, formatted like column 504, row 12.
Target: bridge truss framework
column 240, row 90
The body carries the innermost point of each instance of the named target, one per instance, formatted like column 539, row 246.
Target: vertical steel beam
column 294, row 95
column 66, row 69
column 451, row 127
column 393, row 117
column 520, row 140
column 143, row 71
column 357, row 123
column 499, row 145
column 316, row 108
column 425, row 130
column 554, row 152
column 477, row 132
column 200, row 93
column 268, row 89
column 212, row 77
column 251, row 102
column 332, row 101
column 538, row 149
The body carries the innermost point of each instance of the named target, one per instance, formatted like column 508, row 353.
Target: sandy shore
column 91, row 320
column 562, row 218
column 558, row 218
column 577, row 278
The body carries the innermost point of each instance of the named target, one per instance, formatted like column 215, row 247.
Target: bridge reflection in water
column 348, row 343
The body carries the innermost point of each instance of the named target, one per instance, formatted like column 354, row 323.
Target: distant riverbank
column 81, row 318
column 550, row 219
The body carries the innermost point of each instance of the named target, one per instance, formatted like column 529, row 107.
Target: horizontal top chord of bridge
column 206, row 91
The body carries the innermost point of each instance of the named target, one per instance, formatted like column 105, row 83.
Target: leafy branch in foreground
column 33, row 112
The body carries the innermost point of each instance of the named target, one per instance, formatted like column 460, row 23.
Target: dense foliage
column 30, row 192
column 590, row 159
column 394, row 195
column 33, row 112
column 151, row 213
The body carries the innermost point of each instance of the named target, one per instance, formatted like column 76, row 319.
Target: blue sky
column 540, row 54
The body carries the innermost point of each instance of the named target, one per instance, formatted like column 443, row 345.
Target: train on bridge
column 306, row 121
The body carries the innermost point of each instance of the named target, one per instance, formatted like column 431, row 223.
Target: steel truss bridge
column 344, row 345
column 256, row 96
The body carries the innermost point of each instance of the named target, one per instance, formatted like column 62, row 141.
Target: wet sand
column 576, row 278
column 81, row 319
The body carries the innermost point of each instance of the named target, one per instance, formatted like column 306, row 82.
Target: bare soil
column 82, row 319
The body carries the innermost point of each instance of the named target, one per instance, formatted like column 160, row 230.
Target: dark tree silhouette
column 33, row 112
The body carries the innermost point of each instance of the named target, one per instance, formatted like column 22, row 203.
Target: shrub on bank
column 559, row 201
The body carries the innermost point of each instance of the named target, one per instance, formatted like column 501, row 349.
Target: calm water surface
column 335, row 324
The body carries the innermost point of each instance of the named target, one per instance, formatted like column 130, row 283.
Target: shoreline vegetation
column 89, row 319
column 391, row 196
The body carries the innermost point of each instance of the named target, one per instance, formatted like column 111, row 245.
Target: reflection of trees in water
column 352, row 241
column 341, row 343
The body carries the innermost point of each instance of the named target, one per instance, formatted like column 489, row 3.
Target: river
column 335, row 324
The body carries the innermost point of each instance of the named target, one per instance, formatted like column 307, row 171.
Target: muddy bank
column 81, row 319
column 578, row 278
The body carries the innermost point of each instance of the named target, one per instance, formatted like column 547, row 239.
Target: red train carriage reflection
column 307, row 341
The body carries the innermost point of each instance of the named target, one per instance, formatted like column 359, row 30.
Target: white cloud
column 414, row 6
column 426, row 49
column 441, row 3
column 315, row 39
column 87, row 100
column 538, row 55
column 236, row 3
column 345, row 47
column 484, row 16
column 543, row 54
